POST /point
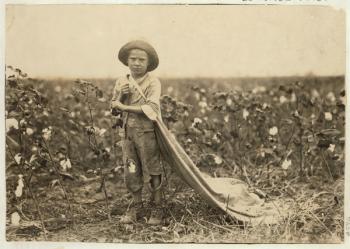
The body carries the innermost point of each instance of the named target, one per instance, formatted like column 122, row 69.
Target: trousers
column 141, row 155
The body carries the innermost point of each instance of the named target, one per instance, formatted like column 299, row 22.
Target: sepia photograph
column 174, row 124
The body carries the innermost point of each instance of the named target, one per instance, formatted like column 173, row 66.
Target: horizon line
column 192, row 77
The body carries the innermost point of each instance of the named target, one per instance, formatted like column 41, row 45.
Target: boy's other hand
column 118, row 105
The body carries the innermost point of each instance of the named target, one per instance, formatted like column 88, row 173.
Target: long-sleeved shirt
column 150, row 86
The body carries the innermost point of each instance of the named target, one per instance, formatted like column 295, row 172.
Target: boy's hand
column 125, row 89
column 118, row 105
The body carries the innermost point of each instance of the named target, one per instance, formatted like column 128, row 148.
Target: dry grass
column 313, row 217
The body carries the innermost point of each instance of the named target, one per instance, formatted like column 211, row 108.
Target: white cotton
column 15, row 219
column 29, row 131
column 259, row 89
column 65, row 164
column 132, row 167
column 314, row 93
column 245, row 114
column 286, row 164
column 20, row 185
column 57, row 89
column 226, row 118
column 197, row 96
column 170, row 89
column 47, row 133
column 217, row 160
column 102, row 131
column 293, row 98
column 197, row 121
column 343, row 100
column 32, row 158
column 11, row 123
column 262, row 153
column 203, row 104
column 273, row 131
column 331, row 97
column 331, row 147
column 328, row 116
column 216, row 138
column 283, row 99
column 22, row 122
column 18, row 158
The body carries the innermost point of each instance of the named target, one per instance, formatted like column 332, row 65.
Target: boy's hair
column 153, row 59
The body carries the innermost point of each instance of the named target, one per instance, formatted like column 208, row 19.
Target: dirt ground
column 188, row 219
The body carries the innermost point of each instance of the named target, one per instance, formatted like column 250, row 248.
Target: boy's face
column 138, row 62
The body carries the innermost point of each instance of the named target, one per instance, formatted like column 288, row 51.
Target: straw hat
column 139, row 44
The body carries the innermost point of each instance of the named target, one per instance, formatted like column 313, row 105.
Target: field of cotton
column 284, row 136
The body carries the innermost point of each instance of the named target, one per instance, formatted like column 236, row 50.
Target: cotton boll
column 102, row 132
column 196, row 121
column 203, row 104
column 170, row 89
column 328, row 116
column 343, row 100
column 15, row 219
column 20, row 185
column 226, row 118
column 33, row 158
column 293, row 98
column 286, row 164
column 47, row 133
column 330, row 96
column 273, row 131
column 283, row 99
column 216, row 138
column 11, row 123
column 18, row 158
column 217, row 160
column 331, row 147
column 197, row 96
column 57, row 89
column 29, row 131
column 65, row 164
column 245, row 114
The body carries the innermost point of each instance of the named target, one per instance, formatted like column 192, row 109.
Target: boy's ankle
column 137, row 197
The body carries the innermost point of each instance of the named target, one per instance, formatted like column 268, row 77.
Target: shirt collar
column 138, row 81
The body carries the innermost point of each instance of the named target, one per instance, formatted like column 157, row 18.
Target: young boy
column 141, row 154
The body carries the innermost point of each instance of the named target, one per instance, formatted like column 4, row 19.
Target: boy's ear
column 148, row 63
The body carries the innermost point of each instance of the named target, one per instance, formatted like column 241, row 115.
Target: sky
column 191, row 41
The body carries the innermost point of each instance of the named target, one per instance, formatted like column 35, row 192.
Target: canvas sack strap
column 147, row 110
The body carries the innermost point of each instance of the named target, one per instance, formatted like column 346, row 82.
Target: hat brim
column 139, row 44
